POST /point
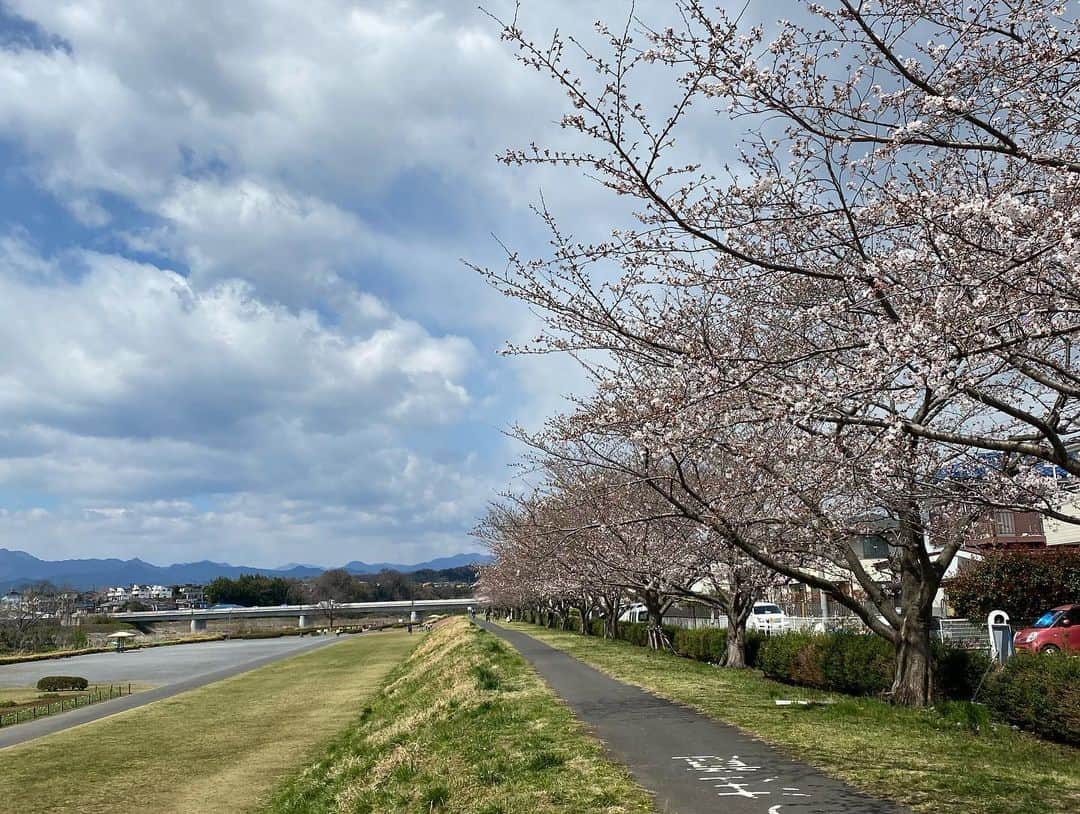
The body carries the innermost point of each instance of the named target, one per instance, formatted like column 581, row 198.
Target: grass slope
column 920, row 758
column 465, row 726
column 222, row 747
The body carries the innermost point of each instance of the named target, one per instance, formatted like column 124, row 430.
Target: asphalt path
column 691, row 763
column 177, row 668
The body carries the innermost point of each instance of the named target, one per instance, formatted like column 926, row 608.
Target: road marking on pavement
column 734, row 777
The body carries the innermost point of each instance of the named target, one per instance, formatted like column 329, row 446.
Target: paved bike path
column 16, row 734
column 693, row 764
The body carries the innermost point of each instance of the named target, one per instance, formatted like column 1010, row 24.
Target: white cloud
column 321, row 371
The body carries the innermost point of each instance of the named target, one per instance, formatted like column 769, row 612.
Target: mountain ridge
column 20, row 568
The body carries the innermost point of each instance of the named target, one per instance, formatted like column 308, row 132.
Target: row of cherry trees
column 867, row 317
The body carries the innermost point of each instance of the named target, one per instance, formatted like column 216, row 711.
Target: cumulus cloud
column 257, row 336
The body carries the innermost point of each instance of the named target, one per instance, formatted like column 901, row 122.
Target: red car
column 1056, row 631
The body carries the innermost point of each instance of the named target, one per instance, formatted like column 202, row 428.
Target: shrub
column 1038, row 693
column 779, row 656
column 854, row 663
column 59, row 683
column 710, row 644
column 958, row 672
column 1024, row 584
column 862, row 664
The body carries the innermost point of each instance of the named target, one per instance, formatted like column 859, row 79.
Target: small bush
column 60, row 683
column 1038, row 693
column 858, row 664
column 710, row 644
column 958, row 672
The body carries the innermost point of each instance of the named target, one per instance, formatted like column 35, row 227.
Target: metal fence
column 964, row 633
column 31, row 713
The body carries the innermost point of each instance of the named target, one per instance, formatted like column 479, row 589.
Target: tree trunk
column 913, row 682
column 657, row 638
column 586, row 628
column 738, row 612
column 612, row 606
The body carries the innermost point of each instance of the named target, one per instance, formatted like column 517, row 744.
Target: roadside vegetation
column 222, row 747
column 942, row 760
column 464, row 726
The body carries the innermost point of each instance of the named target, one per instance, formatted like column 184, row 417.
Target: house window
column 874, row 548
column 1004, row 523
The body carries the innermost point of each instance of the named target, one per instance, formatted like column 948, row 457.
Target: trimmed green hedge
column 60, row 683
column 862, row 664
column 710, row 644
column 1039, row 693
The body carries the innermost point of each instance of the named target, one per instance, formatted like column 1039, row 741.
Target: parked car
column 635, row 613
column 767, row 617
column 1056, row 631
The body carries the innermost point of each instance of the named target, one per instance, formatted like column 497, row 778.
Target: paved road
column 155, row 665
column 177, row 669
column 693, row 764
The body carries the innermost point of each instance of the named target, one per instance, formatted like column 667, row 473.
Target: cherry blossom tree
column 880, row 292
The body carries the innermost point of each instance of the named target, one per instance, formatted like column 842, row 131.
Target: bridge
column 303, row 613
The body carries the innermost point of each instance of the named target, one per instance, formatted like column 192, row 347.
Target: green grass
column 931, row 761
column 222, row 747
column 464, row 726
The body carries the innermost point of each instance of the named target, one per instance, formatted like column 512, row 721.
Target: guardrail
column 32, row 713
column 394, row 606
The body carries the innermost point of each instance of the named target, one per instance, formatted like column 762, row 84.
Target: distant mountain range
column 19, row 568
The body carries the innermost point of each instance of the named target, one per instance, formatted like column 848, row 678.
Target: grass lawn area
column 918, row 757
column 464, row 726
column 222, row 747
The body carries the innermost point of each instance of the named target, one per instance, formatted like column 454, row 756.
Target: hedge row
column 863, row 664
column 710, row 644
column 61, row 683
column 1037, row 693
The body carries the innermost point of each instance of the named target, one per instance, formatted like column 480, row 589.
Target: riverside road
column 171, row 670
column 693, row 764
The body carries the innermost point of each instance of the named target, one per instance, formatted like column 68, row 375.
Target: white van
column 767, row 617
column 635, row 613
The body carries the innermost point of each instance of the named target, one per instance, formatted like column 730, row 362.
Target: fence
column 964, row 633
column 31, row 713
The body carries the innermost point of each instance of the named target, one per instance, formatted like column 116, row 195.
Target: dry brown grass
column 220, row 748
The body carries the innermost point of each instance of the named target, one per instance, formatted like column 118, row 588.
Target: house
column 1003, row 529
column 190, row 596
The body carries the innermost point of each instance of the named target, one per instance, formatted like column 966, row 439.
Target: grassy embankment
column 464, row 726
column 222, row 747
column 921, row 758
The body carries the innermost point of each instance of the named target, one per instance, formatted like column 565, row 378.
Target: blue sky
column 235, row 321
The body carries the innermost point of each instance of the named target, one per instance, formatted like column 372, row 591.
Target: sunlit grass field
column 219, row 748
